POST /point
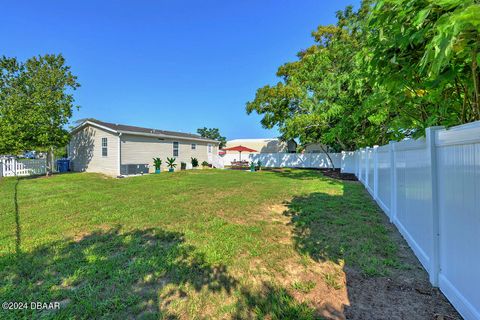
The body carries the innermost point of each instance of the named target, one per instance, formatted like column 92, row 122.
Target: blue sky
column 174, row 65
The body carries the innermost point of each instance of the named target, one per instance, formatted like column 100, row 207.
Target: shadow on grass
column 343, row 227
column 134, row 274
column 300, row 174
column 110, row 273
column 18, row 230
column 272, row 302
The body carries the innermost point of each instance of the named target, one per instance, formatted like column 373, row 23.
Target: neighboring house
column 315, row 148
column 261, row 145
column 264, row 145
column 117, row 149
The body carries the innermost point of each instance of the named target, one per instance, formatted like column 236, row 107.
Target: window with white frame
column 175, row 149
column 209, row 148
column 104, row 147
column 194, row 146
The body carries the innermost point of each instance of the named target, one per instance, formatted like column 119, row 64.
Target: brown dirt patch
column 395, row 297
column 405, row 293
column 336, row 174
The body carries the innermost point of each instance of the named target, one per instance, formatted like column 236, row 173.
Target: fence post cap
column 435, row 128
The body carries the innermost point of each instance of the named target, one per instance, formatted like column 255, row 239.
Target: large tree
column 36, row 102
column 212, row 133
column 424, row 61
column 387, row 71
column 318, row 98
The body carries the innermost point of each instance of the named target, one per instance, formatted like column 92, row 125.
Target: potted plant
column 205, row 164
column 183, row 166
column 157, row 163
column 194, row 162
column 171, row 164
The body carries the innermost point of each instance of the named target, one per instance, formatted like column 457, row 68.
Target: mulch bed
column 331, row 173
column 336, row 174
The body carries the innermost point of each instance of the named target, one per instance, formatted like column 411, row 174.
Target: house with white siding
column 117, row 149
column 263, row 145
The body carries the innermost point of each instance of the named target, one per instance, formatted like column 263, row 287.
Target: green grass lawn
column 187, row 245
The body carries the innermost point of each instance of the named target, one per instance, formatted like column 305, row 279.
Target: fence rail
column 430, row 189
column 10, row 167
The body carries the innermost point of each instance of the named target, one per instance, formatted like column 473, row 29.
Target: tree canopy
column 36, row 103
column 212, row 133
column 386, row 71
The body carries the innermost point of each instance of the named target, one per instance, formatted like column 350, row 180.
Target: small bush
column 194, row 162
column 171, row 162
column 205, row 164
column 157, row 163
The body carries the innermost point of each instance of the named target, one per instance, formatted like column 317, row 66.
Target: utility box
column 128, row 169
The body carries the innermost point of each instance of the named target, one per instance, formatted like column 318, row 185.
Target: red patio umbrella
column 240, row 149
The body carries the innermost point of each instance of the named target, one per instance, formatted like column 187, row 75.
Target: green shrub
column 194, row 162
column 157, row 163
column 171, row 162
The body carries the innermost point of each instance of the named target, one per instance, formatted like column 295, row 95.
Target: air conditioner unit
column 128, row 169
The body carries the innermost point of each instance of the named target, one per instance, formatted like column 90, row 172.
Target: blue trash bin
column 63, row 165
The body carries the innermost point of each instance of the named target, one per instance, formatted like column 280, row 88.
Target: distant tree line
column 384, row 72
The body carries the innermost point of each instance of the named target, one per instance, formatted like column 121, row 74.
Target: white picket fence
column 430, row 189
column 10, row 167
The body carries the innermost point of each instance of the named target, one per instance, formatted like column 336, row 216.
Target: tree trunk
column 342, row 145
column 328, row 156
column 50, row 161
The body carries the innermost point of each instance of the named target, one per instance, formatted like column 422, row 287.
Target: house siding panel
column 85, row 151
column 141, row 150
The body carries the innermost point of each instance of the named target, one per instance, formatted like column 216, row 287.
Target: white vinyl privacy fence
column 430, row 189
column 297, row 160
column 10, row 167
column 343, row 160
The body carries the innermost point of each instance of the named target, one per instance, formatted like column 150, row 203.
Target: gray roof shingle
column 125, row 128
